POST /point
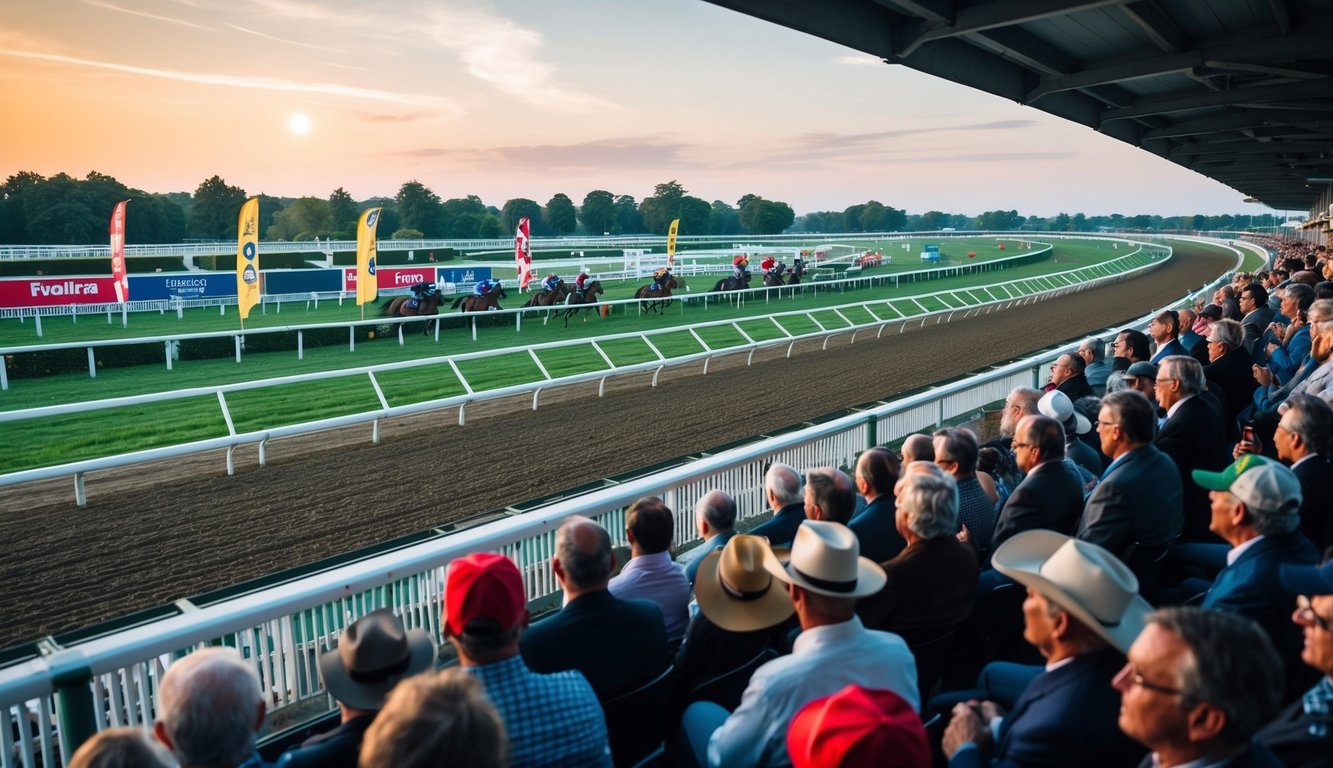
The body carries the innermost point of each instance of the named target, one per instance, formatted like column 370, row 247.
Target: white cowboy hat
column 373, row 654
column 826, row 559
column 1080, row 577
column 734, row 590
column 1058, row 406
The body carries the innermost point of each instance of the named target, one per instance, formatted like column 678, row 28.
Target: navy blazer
column 781, row 528
column 1172, row 347
column 1066, row 717
column 1316, row 478
column 1194, row 438
column 1138, row 500
column 1252, row 587
column 876, row 531
column 1254, row 756
column 1231, row 377
column 1051, row 497
column 617, row 644
column 1289, row 738
column 337, row 748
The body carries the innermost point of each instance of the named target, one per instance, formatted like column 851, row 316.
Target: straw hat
column 826, row 559
column 1080, row 577
column 735, row 592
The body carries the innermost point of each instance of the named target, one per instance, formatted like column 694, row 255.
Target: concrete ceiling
column 1240, row 91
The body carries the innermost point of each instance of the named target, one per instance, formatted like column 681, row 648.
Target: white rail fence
column 56, row 699
column 884, row 314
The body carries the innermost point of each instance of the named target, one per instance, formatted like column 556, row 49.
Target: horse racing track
column 152, row 535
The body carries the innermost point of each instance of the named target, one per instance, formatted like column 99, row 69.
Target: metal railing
column 56, row 699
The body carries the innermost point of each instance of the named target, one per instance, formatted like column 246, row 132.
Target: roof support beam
column 1256, row 95
column 1160, row 28
column 929, row 11
column 995, row 14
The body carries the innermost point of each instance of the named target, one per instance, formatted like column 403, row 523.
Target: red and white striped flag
column 523, row 254
column 122, row 282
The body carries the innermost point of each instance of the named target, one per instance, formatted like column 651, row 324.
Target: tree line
column 63, row 210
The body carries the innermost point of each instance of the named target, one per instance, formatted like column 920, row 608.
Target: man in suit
column 1198, row 686
column 715, row 519
column 1302, row 735
column 1067, row 376
column 617, row 644
column 1051, row 494
column 1192, row 436
column 1302, row 440
column 932, row 584
column 1081, row 613
column 786, row 497
column 1164, row 328
column 1138, row 502
column 1254, row 304
column 1229, row 372
column 1255, row 509
column 355, row 675
column 875, row 526
column 1093, row 353
column 1193, row 341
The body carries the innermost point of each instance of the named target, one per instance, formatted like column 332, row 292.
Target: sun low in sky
column 513, row 99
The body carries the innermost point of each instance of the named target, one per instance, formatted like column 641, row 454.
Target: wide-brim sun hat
column 1058, row 406
column 372, row 656
column 826, row 559
column 736, row 592
column 1079, row 577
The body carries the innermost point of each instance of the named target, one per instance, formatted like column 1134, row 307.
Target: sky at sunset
column 531, row 98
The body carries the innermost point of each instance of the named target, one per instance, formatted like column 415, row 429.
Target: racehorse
column 774, row 279
column 471, row 302
column 662, row 293
column 582, row 302
column 798, row 271
column 549, row 298
column 414, row 306
column 731, row 283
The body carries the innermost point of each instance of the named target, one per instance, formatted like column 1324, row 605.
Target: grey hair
column 1321, row 311
column 718, row 509
column 586, row 563
column 1241, row 673
column 1134, row 413
column 928, row 503
column 784, row 482
column 1302, row 293
column 1026, row 398
column 209, row 704
column 1312, row 420
column 1228, row 332
column 833, row 491
column 1096, row 347
column 960, row 446
column 1187, row 370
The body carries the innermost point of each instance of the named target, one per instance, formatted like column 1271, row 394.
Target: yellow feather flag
column 671, row 242
column 367, row 289
column 247, row 257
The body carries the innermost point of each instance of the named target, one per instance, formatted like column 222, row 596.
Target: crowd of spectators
column 1128, row 574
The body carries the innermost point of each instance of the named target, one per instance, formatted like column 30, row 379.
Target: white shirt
column 656, row 578
column 1239, row 549
column 823, row 661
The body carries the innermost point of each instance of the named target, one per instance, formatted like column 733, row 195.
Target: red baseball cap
column 483, row 586
column 858, row 726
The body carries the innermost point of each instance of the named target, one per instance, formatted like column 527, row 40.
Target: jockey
column 768, row 264
column 660, row 277
column 550, row 282
column 421, row 291
column 484, row 287
column 580, row 280
column 740, row 267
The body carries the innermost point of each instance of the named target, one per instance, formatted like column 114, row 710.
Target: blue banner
column 280, row 281
column 186, row 285
column 468, row 276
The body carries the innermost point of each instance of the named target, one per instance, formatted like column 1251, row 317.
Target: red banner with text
column 57, row 291
column 392, row 277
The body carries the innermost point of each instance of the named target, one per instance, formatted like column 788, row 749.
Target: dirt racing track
column 155, row 534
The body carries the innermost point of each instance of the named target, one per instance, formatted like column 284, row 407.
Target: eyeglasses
column 1134, row 677
column 1100, row 424
column 1159, row 382
column 1305, row 614
column 1024, row 445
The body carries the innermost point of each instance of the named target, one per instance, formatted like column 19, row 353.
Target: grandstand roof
column 1237, row 90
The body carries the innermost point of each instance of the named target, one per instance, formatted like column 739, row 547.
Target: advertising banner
column 57, row 291
column 366, row 250
column 118, row 252
column 280, row 281
column 194, row 285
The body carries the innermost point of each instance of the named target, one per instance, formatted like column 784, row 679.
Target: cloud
column 406, row 117
column 611, row 154
column 843, row 141
column 257, row 33
column 252, row 83
column 860, row 60
column 1005, row 157
column 141, row 14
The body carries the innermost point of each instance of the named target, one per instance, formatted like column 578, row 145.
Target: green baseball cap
column 1258, row 481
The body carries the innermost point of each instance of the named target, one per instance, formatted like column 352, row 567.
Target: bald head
column 583, row 552
column 918, row 448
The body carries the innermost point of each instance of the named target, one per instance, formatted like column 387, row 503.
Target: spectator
column 876, row 530
column 1255, row 509
column 1192, row 340
column 1093, row 353
column 1229, row 372
column 826, row 576
column 1067, row 376
column 373, row 654
column 122, row 748
column 1198, row 686
column 1302, row 735
column 1164, row 328
column 931, row 585
column 550, row 719
column 438, row 719
column 1081, row 613
column 209, row 710
column 1315, row 377
column 650, row 574
column 715, row 520
column 1225, row 298
column 1051, row 494
column 829, row 495
column 918, row 448
column 1192, row 435
column 858, row 727
column 1254, row 303
column 1142, row 378
column 1302, row 441
column 1058, row 406
column 1137, row 503
column 1130, row 347
column 1022, row 401
column 956, row 453
column 742, row 611
column 786, row 497
column 617, row 644
column 1288, row 344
